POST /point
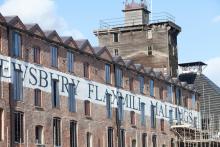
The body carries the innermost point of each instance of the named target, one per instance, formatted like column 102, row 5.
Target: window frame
column 36, row 55
column 108, row 105
column 70, row 61
column 118, row 77
column 74, row 134
column 41, row 136
column 19, row 128
column 18, row 85
column 108, row 73
column 110, row 135
column 72, row 98
column 87, row 108
column 37, row 98
column 55, row 93
column 16, row 54
column 152, row 88
column 143, row 117
column 115, row 38
column 57, row 140
column 141, row 84
column 54, row 56
column 86, row 70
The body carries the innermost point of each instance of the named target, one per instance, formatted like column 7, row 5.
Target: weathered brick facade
column 98, row 123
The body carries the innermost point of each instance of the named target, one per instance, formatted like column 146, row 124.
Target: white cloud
column 216, row 19
column 213, row 70
column 42, row 12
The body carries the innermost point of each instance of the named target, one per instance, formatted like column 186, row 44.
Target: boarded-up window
column 37, row 97
column 36, row 55
column 162, row 124
column 87, row 108
column 132, row 117
column 86, row 70
column 131, row 83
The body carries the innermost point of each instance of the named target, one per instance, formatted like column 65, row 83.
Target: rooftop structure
column 151, row 41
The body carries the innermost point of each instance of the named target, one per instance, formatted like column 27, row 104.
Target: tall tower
column 152, row 43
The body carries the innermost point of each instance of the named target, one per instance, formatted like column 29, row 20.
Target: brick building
column 57, row 91
column 151, row 42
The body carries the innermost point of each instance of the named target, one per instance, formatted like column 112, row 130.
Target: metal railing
column 122, row 22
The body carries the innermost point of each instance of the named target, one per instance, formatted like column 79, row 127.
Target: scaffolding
column 205, row 133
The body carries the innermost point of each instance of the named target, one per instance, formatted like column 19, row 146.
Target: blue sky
column 200, row 22
column 200, row 36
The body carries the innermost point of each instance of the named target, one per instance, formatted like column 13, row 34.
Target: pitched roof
column 80, row 43
column 209, row 91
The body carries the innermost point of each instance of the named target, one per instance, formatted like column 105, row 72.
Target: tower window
column 116, row 52
column 150, row 50
column 115, row 37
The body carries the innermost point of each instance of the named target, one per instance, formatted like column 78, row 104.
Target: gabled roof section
column 103, row 52
column 85, row 46
column 53, row 35
column 118, row 60
column 15, row 22
column 130, row 64
column 140, row 68
column 35, row 29
column 2, row 19
column 68, row 40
